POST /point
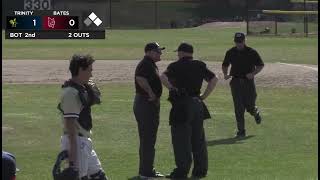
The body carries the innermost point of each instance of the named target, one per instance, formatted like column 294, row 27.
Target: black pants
column 147, row 116
column 188, row 140
column 244, row 98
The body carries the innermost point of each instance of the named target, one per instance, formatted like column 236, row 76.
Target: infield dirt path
column 105, row 71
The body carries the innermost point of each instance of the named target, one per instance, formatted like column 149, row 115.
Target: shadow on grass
column 134, row 178
column 138, row 178
column 232, row 140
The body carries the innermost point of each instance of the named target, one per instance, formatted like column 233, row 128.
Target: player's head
column 154, row 51
column 8, row 166
column 81, row 67
column 239, row 40
column 184, row 50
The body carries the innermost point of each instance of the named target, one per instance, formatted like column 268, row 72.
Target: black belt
column 79, row 134
column 240, row 77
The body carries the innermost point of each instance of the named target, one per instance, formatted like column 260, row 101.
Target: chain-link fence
column 300, row 20
column 149, row 14
column 296, row 23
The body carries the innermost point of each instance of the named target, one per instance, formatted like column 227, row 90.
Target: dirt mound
column 56, row 71
column 223, row 24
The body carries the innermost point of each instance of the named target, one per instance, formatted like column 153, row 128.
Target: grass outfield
column 284, row 146
column 210, row 44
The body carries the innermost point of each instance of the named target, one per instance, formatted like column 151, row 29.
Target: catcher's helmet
column 66, row 174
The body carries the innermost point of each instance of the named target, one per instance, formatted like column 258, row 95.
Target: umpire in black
column 147, row 108
column 245, row 64
column 184, row 79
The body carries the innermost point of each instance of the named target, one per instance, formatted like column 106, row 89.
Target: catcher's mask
column 65, row 174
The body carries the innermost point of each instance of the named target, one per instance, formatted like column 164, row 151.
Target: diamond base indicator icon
column 92, row 18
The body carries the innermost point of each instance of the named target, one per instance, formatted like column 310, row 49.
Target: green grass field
column 283, row 147
column 210, row 45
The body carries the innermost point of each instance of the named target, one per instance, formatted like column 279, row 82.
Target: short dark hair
column 185, row 47
column 80, row 61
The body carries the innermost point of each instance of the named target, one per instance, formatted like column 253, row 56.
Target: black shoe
column 257, row 117
column 198, row 176
column 240, row 134
column 174, row 175
column 154, row 174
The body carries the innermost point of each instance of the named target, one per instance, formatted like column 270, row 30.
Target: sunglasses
column 157, row 51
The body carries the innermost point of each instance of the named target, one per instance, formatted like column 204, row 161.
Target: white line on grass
column 299, row 65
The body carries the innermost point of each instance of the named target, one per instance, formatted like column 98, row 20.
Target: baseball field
column 283, row 147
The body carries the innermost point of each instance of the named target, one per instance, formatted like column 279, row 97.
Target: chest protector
column 85, row 119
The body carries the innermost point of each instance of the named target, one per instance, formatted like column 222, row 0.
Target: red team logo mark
column 51, row 22
column 60, row 22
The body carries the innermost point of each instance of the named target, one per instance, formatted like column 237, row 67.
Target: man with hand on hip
column 146, row 108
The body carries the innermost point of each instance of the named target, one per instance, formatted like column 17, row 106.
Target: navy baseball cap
column 8, row 166
column 153, row 46
column 239, row 37
column 185, row 47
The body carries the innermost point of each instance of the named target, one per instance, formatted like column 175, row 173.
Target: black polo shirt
column 242, row 61
column 188, row 74
column 148, row 69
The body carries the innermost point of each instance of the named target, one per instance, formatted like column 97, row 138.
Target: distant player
column 245, row 64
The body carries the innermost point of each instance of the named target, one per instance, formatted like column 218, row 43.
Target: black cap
column 8, row 165
column 185, row 47
column 239, row 37
column 153, row 46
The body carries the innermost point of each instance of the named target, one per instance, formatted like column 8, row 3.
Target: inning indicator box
column 54, row 25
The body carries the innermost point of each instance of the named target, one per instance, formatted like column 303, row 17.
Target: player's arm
column 70, row 125
column 225, row 65
column 225, row 72
column 165, row 81
column 257, row 69
column 169, row 73
column 258, row 65
column 143, row 83
column 210, row 87
column 212, row 80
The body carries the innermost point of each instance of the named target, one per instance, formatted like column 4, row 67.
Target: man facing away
column 184, row 79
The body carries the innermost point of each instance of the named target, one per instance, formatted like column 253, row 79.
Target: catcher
column 78, row 95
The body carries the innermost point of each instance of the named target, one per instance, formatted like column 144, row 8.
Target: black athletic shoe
column 257, row 117
column 198, row 176
column 240, row 134
column 174, row 175
column 154, row 174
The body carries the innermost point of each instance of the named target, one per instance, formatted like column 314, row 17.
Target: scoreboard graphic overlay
column 43, row 23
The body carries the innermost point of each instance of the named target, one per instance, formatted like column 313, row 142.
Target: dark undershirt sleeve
column 208, row 75
column 144, row 70
column 227, row 59
column 170, row 72
column 258, row 61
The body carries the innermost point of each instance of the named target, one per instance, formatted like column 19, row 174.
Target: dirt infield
column 223, row 24
column 56, row 71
